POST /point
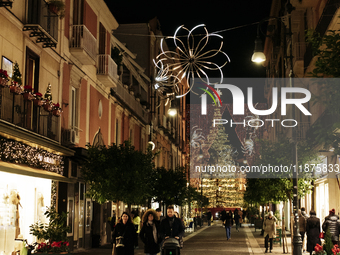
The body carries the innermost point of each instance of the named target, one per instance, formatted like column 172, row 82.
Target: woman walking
column 149, row 233
column 124, row 236
column 313, row 231
column 269, row 226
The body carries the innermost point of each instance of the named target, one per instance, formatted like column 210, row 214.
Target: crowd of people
column 153, row 231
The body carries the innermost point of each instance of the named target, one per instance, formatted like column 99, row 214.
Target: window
column 74, row 109
column 117, row 132
column 102, row 39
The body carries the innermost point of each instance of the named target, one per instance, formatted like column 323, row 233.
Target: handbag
column 119, row 241
column 321, row 235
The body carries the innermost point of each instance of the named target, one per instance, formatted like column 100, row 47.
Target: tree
column 118, row 172
column 327, row 65
column 170, row 186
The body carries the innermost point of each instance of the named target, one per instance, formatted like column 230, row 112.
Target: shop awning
column 34, row 172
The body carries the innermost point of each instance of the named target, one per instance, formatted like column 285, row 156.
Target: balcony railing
column 42, row 23
column 130, row 101
column 83, row 39
column 106, row 66
column 14, row 109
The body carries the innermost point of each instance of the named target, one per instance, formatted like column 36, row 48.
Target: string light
column 19, row 153
column 190, row 59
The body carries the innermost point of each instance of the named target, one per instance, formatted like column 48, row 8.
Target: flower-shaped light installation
column 190, row 59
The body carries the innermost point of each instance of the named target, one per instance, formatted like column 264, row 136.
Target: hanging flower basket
column 3, row 82
column 48, row 106
column 56, row 112
column 28, row 96
column 16, row 88
column 38, row 102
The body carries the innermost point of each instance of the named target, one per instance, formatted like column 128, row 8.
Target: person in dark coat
column 149, row 233
column 126, row 229
column 228, row 223
column 209, row 218
column 313, row 231
column 332, row 223
column 237, row 219
column 171, row 226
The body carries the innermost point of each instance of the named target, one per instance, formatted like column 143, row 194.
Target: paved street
column 212, row 240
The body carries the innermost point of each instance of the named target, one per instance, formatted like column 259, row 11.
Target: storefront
column 29, row 177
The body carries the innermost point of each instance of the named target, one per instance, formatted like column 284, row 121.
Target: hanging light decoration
column 190, row 59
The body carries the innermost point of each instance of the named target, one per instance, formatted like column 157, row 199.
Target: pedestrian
column 171, row 226
column 159, row 213
column 228, row 223
column 124, row 236
column 136, row 222
column 312, row 231
column 237, row 219
column 332, row 223
column 269, row 227
column 240, row 213
column 149, row 233
column 222, row 216
column 304, row 242
column 302, row 226
column 209, row 217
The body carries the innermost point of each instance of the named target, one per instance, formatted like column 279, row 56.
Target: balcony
column 14, row 109
column 83, row 45
column 42, row 23
column 123, row 95
column 107, row 71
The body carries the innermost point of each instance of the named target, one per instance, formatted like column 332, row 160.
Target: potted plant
column 56, row 110
column 52, row 236
column 131, row 90
column 48, row 106
column 57, row 7
column 38, row 100
column 138, row 96
column 16, row 80
column 28, row 93
column 3, row 78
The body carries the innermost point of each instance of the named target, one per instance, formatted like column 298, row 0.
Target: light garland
column 19, row 153
column 189, row 59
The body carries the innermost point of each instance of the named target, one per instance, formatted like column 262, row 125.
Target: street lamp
column 297, row 241
column 258, row 56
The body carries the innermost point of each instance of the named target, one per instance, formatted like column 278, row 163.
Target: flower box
column 38, row 102
column 28, row 96
column 3, row 82
column 48, row 107
column 56, row 112
column 15, row 89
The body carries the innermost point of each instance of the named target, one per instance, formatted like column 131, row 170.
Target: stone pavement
column 212, row 240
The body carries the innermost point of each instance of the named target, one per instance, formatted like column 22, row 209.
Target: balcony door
column 78, row 11
column 32, row 79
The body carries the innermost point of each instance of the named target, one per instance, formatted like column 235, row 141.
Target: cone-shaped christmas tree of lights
column 16, row 74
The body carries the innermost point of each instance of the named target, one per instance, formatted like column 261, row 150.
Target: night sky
column 238, row 17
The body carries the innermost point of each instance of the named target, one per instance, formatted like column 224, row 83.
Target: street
column 212, row 240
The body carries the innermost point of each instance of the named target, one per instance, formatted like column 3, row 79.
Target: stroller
column 170, row 247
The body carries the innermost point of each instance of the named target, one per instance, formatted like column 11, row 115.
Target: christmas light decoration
column 19, row 153
column 189, row 59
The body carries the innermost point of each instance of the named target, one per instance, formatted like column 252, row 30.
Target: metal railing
column 107, row 66
column 130, row 101
column 14, row 109
column 83, row 39
column 39, row 14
